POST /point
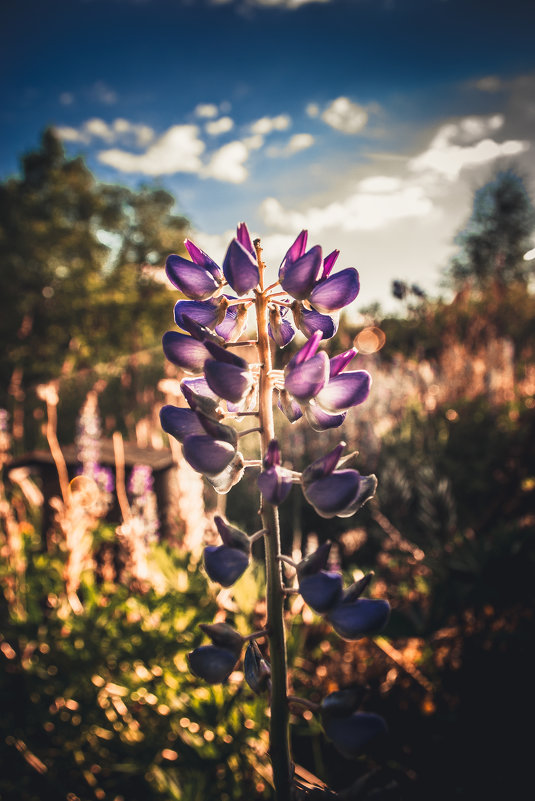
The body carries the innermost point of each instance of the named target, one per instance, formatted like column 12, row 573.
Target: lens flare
column 370, row 340
column 84, row 491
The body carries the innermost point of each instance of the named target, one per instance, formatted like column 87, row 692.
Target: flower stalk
column 280, row 719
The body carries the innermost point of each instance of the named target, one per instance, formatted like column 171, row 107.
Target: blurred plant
column 225, row 388
column 496, row 237
column 139, row 530
column 88, row 436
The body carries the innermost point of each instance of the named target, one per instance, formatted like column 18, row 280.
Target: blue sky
column 370, row 123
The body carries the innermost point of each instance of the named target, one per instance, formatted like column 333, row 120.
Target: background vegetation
column 97, row 701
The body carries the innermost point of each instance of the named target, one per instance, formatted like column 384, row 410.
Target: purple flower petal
column 199, row 332
column 244, row 238
column 224, row 636
column 207, row 455
column 307, row 351
column 341, row 703
column 323, row 466
column 367, row 488
column 322, row 590
column 275, row 484
column 328, row 263
column 298, row 277
column 184, row 351
column 199, row 395
column 225, row 564
column 227, row 380
column 240, row 268
column 319, row 420
column 344, row 391
column 226, row 356
column 207, row 313
column 309, row 321
column 315, row 561
column 179, row 422
column 217, row 430
column 296, row 250
column 194, row 281
column 231, row 536
column 280, row 329
column 201, row 258
column 363, row 617
column 307, row 379
column 333, row 495
column 211, row 663
column 231, row 328
column 289, row 407
column 351, row 734
column 338, row 363
column 255, row 668
column 231, row 475
column 333, row 293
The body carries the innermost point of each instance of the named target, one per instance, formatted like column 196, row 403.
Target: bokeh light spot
column 370, row 339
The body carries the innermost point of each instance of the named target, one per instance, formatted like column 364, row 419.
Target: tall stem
column 279, row 722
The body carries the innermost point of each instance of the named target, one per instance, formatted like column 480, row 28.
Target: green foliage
column 102, row 704
column 69, row 300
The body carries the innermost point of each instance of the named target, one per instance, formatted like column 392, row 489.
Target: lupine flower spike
column 320, row 391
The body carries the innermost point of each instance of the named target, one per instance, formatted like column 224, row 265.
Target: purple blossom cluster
column 143, row 500
column 87, row 442
column 221, row 386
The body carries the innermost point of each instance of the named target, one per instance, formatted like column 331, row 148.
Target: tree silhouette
column 77, row 261
column 498, row 233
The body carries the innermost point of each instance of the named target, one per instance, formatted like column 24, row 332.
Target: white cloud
column 290, row 5
column 362, row 210
column 296, row 143
column 228, row 163
column 265, row 125
column 465, row 143
column 97, row 128
column 254, row 142
column 345, row 116
column 177, row 150
column 490, row 83
column 66, row 98
column 206, row 110
column 220, row 126
column 102, row 93
column 69, row 134
column 312, row 109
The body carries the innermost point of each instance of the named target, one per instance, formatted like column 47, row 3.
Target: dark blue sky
column 352, row 90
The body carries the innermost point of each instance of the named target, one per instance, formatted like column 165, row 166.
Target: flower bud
column 256, row 670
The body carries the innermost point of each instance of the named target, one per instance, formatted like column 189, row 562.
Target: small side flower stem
column 255, row 635
column 257, row 535
column 272, row 286
column 239, row 343
column 253, row 463
column 238, row 301
column 288, row 560
column 295, row 699
column 249, row 431
column 279, row 732
column 281, row 303
column 239, row 414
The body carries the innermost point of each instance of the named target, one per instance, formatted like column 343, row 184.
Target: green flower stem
column 279, row 722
